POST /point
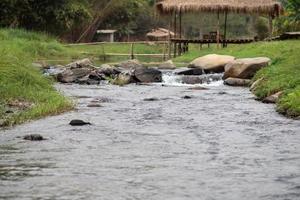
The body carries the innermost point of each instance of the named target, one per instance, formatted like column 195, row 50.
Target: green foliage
column 291, row 19
column 261, row 27
column 55, row 17
column 19, row 80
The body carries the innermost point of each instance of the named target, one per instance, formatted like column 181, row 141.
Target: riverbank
column 282, row 75
column 24, row 93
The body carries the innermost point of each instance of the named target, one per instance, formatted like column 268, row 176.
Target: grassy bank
column 282, row 75
column 24, row 93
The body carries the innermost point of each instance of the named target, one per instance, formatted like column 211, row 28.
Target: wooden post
column 103, row 52
column 180, row 31
column 218, row 31
column 225, row 30
column 164, row 51
column 175, row 24
column 131, row 52
column 169, row 41
column 271, row 25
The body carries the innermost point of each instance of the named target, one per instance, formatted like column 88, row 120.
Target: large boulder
column 124, row 78
column 148, row 75
column 245, row 68
column 188, row 71
column 130, row 64
column 84, row 63
column 212, row 63
column 108, row 70
column 167, row 65
column 72, row 75
column 237, row 82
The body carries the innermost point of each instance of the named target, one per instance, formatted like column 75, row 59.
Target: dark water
column 220, row 144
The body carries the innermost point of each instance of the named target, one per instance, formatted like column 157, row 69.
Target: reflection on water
column 220, row 144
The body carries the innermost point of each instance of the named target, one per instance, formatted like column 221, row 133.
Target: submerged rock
column 94, row 105
column 212, row 63
column 78, row 122
column 188, row 71
column 187, row 97
column 33, row 137
column 151, row 99
column 198, row 88
column 148, row 75
column 208, row 78
column 245, row 68
column 237, row 82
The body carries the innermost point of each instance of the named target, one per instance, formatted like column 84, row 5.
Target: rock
column 124, row 78
column 237, row 82
column 211, row 63
column 95, row 75
column 84, row 63
column 54, row 70
column 33, row 137
column 20, row 104
column 255, row 84
column 245, row 68
column 192, row 80
column 94, row 105
column 71, row 75
column 9, row 112
column 108, row 70
column 148, row 75
column 151, row 99
column 167, row 65
column 78, row 122
column 186, row 97
column 198, row 88
column 208, row 78
column 130, row 64
column 273, row 98
column 2, row 122
column 188, row 71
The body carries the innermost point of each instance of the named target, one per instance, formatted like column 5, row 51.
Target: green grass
column 21, row 81
column 96, row 52
column 282, row 75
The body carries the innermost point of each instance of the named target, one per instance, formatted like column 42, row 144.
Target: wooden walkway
column 182, row 45
column 212, row 41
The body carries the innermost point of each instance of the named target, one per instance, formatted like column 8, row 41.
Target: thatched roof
column 160, row 33
column 263, row 7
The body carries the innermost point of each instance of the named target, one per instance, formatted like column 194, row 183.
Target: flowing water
column 219, row 144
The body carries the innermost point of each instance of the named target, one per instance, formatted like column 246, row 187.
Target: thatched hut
column 269, row 8
column 262, row 7
column 160, row 34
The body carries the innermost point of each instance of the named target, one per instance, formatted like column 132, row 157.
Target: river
column 220, row 144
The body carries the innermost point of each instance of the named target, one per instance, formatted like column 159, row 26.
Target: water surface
column 220, row 144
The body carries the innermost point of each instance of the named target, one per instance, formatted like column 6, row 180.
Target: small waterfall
column 169, row 78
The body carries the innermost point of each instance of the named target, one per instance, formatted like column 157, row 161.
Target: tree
column 55, row 17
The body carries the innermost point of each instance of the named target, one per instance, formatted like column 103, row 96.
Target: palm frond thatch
column 262, row 7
